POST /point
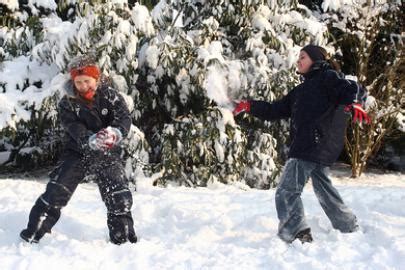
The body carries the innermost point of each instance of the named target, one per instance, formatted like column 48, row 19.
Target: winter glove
column 241, row 106
column 105, row 139
column 359, row 114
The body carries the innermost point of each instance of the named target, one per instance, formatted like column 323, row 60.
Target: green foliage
column 20, row 39
column 33, row 143
column 196, row 151
column 262, row 165
column 201, row 149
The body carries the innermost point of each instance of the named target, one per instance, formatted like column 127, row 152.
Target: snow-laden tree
column 370, row 37
column 180, row 66
column 183, row 69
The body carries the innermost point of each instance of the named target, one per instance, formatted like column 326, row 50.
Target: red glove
column 241, row 106
column 359, row 114
column 105, row 139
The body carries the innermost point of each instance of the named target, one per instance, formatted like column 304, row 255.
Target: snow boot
column 41, row 219
column 121, row 229
column 119, row 238
column 304, row 236
column 30, row 237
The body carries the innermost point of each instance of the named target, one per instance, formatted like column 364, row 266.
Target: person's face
column 84, row 83
column 304, row 63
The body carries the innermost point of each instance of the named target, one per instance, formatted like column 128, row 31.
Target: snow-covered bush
column 204, row 148
column 28, row 130
column 261, row 168
column 136, row 151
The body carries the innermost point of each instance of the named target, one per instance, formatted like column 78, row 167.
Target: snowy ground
column 220, row 227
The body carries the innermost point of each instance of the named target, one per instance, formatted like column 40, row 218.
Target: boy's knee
column 56, row 195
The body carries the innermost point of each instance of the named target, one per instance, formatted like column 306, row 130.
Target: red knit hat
column 91, row 71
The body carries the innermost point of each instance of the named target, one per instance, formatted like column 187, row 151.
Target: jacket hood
column 68, row 88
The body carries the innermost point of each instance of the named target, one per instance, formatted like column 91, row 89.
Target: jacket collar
column 315, row 68
column 68, row 88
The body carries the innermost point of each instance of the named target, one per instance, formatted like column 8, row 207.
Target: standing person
column 95, row 118
column 318, row 109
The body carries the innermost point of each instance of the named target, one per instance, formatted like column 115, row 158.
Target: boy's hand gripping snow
column 359, row 114
column 105, row 139
column 241, row 106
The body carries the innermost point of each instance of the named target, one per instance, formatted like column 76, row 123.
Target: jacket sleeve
column 71, row 123
column 122, row 118
column 341, row 90
column 272, row 111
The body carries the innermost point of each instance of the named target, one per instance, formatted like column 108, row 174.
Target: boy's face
column 304, row 63
column 84, row 83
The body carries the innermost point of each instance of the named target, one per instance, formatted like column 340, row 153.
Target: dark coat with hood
column 316, row 108
column 80, row 119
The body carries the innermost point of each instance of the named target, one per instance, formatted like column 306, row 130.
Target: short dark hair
column 316, row 53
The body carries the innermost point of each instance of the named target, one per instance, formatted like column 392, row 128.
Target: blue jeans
column 289, row 206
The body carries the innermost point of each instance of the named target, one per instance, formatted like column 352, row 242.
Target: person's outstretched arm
column 264, row 110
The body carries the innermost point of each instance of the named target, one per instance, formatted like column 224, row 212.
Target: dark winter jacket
column 80, row 120
column 318, row 121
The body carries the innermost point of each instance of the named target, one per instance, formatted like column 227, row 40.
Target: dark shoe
column 304, row 236
column 29, row 236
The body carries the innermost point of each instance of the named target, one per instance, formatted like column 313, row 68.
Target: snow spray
column 216, row 86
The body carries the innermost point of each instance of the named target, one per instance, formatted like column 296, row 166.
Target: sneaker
column 28, row 236
column 304, row 236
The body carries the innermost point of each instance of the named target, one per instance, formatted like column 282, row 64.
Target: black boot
column 41, row 219
column 121, row 238
column 304, row 236
column 121, row 229
column 30, row 237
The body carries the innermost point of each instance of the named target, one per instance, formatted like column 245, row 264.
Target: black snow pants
column 113, row 186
